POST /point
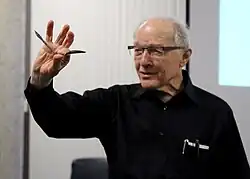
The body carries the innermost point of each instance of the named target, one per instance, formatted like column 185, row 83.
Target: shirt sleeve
column 230, row 159
column 71, row 115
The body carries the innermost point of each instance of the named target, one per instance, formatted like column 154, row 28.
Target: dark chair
column 89, row 168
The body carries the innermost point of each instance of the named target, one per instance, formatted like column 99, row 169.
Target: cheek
column 168, row 69
column 172, row 63
column 137, row 65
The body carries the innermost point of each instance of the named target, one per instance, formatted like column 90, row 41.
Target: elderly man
column 163, row 127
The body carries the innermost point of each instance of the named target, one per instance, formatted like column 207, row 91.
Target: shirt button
column 161, row 134
column 165, row 108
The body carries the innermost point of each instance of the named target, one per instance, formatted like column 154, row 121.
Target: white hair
column 180, row 32
column 181, row 37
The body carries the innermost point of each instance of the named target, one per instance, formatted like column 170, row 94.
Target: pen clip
column 197, row 146
column 184, row 146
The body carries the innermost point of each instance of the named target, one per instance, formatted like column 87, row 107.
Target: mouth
column 147, row 74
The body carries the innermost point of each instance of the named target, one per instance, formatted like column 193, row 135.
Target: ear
column 185, row 58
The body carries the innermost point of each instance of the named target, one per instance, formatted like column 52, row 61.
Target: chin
column 150, row 84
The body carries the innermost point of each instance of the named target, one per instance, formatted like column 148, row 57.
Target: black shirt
column 194, row 135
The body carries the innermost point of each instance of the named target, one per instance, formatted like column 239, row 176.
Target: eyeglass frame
column 165, row 49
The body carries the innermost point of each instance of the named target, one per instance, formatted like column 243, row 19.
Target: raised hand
column 50, row 61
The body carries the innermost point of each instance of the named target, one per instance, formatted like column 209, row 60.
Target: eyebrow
column 148, row 45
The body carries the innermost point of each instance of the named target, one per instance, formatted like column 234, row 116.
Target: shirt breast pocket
column 194, row 157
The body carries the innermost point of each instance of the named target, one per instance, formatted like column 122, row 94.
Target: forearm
column 71, row 115
column 51, row 112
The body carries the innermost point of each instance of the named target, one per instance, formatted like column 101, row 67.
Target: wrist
column 40, row 81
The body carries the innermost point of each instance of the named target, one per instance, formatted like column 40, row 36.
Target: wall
column 104, row 29
column 12, row 48
column 204, row 66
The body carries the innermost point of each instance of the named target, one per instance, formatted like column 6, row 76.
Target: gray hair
column 181, row 37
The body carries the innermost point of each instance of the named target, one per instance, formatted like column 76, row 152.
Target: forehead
column 154, row 34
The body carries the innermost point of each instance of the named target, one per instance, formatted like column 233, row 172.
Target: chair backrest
column 89, row 168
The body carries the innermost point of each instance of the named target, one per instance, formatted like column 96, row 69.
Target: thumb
column 60, row 61
column 57, row 58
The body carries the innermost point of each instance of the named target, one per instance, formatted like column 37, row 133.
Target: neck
column 174, row 86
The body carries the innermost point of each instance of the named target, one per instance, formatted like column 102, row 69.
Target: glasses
column 154, row 51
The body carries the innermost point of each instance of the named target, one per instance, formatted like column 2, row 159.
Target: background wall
column 204, row 66
column 12, row 48
column 104, row 29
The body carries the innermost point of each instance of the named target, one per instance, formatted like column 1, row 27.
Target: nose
column 145, row 59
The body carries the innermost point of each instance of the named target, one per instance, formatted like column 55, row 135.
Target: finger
column 60, row 62
column 57, row 61
column 62, row 34
column 62, row 51
column 49, row 31
column 41, row 56
column 39, row 60
column 65, row 60
column 69, row 39
column 58, row 57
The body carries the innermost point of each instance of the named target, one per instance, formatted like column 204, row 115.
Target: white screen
column 233, row 39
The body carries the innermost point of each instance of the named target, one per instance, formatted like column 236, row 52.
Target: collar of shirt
column 188, row 90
